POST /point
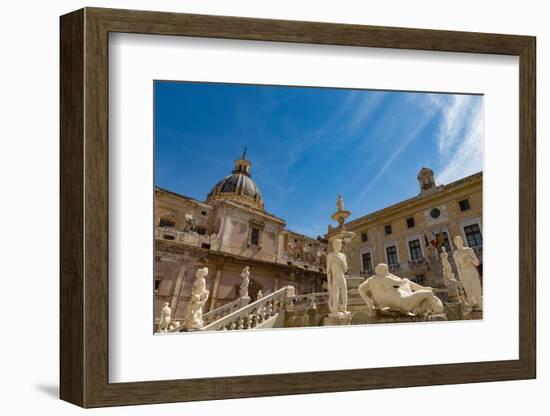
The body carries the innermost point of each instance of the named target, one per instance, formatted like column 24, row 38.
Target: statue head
column 202, row 272
column 459, row 242
column 166, row 304
column 382, row 269
column 444, row 254
column 337, row 245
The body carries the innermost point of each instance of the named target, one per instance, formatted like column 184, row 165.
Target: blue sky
column 306, row 145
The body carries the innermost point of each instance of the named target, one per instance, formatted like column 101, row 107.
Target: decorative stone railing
column 418, row 264
column 308, row 300
column 222, row 311
column 187, row 237
column 255, row 313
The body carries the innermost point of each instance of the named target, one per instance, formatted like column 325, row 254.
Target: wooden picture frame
column 84, row 207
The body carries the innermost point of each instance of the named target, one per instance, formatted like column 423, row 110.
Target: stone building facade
column 231, row 229
column 408, row 236
column 226, row 232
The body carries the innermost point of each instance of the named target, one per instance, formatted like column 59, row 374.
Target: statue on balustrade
column 199, row 296
column 386, row 291
column 245, row 281
column 214, row 241
column 337, row 267
column 190, row 223
column 466, row 265
column 165, row 317
column 290, row 248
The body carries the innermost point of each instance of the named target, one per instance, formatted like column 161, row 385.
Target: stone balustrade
column 222, row 311
column 188, row 237
column 254, row 314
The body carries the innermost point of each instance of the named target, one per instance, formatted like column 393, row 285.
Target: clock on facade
column 435, row 213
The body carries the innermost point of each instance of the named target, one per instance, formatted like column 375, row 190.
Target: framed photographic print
column 255, row 207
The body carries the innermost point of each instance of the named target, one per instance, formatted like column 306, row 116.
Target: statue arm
column 363, row 290
column 416, row 286
column 475, row 260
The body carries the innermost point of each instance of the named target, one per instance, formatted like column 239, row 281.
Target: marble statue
column 337, row 268
column 466, row 262
column 388, row 291
column 259, row 295
column 165, row 317
column 214, row 241
column 453, row 286
column 245, row 281
column 340, row 203
column 189, row 223
column 199, row 296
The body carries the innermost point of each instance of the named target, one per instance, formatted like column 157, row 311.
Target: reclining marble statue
column 466, row 265
column 386, row 291
column 199, row 296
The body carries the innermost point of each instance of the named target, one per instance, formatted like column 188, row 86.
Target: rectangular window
column 165, row 222
column 255, row 236
column 367, row 262
column 364, row 236
column 388, row 229
column 464, row 205
column 391, row 254
column 410, row 222
column 415, row 249
column 473, row 235
column 157, row 285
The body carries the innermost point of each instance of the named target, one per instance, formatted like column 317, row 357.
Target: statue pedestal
column 453, row 310
column 341, row 318
column 245, row 300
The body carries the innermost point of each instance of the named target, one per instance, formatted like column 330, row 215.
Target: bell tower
column 426, row 181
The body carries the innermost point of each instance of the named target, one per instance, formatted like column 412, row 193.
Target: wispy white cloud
column 456, row 117
column 465, row 156
column 429, row 114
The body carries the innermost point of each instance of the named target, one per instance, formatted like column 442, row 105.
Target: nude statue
column 466, row 265
column 337, row 268
column 199, row 296
column 388, row 291
column 340, row 203
column 453, row 286
column 245, row 281
column 165, row 317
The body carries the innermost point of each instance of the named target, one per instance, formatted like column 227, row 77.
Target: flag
column 440, row 239
column 433, row 241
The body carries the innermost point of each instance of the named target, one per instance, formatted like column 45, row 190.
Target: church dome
column 238, row 187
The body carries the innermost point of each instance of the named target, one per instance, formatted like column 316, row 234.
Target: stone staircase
column 267, row 312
